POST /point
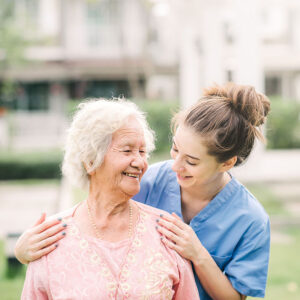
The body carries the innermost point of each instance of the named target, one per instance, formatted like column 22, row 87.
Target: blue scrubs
column 233, row 227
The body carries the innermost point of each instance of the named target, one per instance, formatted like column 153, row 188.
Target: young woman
column 216, row 223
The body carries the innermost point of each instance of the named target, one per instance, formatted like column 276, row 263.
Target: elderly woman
column 112, row 249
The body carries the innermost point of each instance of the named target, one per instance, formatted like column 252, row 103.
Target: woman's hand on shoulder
column 39, row 240
column 179, row 236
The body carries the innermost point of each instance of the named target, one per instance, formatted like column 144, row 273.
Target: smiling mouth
column 131, row 175
column 183, row 177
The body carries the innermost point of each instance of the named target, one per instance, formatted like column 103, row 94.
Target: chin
column 184, row 184
column 131, row 193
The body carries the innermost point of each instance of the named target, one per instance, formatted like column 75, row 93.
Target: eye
column 191, row 164
column 174, row 149
column 127, row 151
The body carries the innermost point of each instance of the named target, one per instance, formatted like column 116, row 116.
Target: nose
column 138, row 161
column 177, row 164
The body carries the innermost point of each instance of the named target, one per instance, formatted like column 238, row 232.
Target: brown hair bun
column 253, row 106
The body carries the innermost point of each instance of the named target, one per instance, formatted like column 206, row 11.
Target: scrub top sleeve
column 248, row 268
column 146, row 184
column 145, row 187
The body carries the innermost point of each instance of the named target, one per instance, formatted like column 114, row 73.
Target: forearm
column 213, row 280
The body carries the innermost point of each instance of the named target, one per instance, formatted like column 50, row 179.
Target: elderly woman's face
column 125, row 161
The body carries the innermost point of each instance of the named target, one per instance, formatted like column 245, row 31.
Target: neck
column 194, row 200
column 106, row 207
column 109, row 216
column 106, row 204
column 206, row 192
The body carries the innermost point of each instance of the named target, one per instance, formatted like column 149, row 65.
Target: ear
column 228, row 164
column 85, row 166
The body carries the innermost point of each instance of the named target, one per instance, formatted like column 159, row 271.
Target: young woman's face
column 193, row 166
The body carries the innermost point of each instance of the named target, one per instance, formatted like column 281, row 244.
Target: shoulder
column 250, row 203
column 247, row 220
column 65, row 214
column 150, row 211
column 155, row 181
column 152, row 215
column 159, row 169
column 245, row 203
column 158, row 175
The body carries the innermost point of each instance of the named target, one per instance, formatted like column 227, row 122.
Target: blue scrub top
column 233, row 227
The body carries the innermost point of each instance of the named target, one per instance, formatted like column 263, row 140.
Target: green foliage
column 12, row 41
column 159, row 115
column 30, row 165
column 10, row 286
column 12, row 46
column 283, row 125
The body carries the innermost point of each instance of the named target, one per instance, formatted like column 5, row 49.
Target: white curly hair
column 90, row 135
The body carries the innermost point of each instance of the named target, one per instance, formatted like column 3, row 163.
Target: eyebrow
column 128, row 143
column 188, row 155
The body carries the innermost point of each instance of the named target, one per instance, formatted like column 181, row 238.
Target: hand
column 179, row 236
column 39, row 240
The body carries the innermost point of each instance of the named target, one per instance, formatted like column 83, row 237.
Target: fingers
column 167, row 233
column 50, row 232
column 177, row 217
column 41, row 219
column 170, row 225
column 45, row 225
column 174, row 219
column 50, row 241
column 170, row 244
column 44, row 251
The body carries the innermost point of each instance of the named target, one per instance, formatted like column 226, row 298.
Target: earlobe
column 228, row 164
column 86, row 168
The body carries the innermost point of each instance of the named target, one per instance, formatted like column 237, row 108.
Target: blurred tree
column 12, row 45
column 283, row 125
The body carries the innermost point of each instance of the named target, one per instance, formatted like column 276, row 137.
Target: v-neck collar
column 174, row 195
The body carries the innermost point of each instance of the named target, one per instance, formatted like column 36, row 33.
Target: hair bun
column 253, row 106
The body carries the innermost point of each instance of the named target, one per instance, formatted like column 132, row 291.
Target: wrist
column 201, row 258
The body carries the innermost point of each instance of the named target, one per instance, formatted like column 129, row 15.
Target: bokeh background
column 160, row 54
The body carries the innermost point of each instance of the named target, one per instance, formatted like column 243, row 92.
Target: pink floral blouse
column 84, row 267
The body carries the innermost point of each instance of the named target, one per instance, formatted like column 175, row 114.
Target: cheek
column 145, row 165
column 173, row 154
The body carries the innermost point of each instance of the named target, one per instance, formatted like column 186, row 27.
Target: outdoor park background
column 160, row 54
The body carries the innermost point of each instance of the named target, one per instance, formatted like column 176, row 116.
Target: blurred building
column 163, row 49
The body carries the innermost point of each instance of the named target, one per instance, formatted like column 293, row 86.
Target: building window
column 273, row 85
column 99, row 89
column 276, row 25
column 102, row 20
column 26, row 12
column 228, row 32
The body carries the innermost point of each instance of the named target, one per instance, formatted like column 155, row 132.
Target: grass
column 11, row 288
column 284, row 278
column 270, row 201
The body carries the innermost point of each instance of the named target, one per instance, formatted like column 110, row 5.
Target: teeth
column 131, row 175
